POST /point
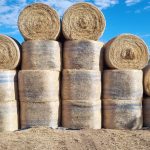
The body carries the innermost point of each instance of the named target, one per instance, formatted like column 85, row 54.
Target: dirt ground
column 42, row 138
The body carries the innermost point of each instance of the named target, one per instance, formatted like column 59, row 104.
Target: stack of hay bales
column 82, row 24
column 146, row 99
column 9, row 60
column 126, row 55
column 41, row 65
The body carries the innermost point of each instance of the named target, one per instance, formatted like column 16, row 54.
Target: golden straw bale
column 77, row 114
column 9, row 53
column 146, row 111
column 39, row 114
column 39, row 21
column 122, row 114
column 147, row 80
column 81, row 85
column 123, row 84
column 38, row 85
column 83, row 54
column 41, row 55
column 83, row 21
column 8, row 116
column 126, row 51
column 8, row 85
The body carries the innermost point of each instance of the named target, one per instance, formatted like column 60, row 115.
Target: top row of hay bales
column 80, row 21
column 83, row 21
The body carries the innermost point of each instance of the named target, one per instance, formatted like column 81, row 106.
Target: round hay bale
column 81, row 114
column 83, row 54
column 39, row 114
column 9, row 53
column 147, row 80
column 39, row 22
column 146, row 111
column 8, row 85
column 126, row 51
column 81, row 85
column 122, row 114
column 123, row 84
column 38, row 85
column 83, row 21
column 8, row 116
column 41, row 55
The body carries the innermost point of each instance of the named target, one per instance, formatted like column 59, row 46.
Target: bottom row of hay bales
column 122, row 99
column 78, row 114
column 122, row 114
column 146, row 111
column 8, row 101
column 81, row 105
column 146, row 99
column 8, row 116
column 39, row 98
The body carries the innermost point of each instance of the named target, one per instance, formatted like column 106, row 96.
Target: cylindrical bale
column 8, row 85
column 41, row 55
column 9, row 53
column 146, row 111
column 39, row 22
column 83, row 21
column 8, row 116
column 83, row 54
column 78, row 114
column 147, row 80
column 123, row 84
column 39, row 114
column 122, row 114
column 126, row 51
column 38, row 85
column 81, row 85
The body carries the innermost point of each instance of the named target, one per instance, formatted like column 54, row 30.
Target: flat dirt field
column 41, row 138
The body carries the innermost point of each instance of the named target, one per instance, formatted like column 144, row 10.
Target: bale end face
column 39, row 22
column 9, row 53
column 83, row 21
column 126, row 51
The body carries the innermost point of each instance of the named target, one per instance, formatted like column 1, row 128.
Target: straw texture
column 123, row 84
column 39, row 114
column 8, row 116
column 8, row 85
column 122, row 114
column 39, row 21
column 126, row 51
column 38, row 85
column 147, row 80
column 81, row 114
column 41, row 55
column 146, row 111
column 83, row 21
column 81, row 85
column 9, row 53
column 83, row 54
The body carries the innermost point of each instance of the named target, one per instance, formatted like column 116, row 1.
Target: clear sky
column 122, row 16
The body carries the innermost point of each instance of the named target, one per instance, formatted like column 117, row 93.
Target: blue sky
column 122, row 16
